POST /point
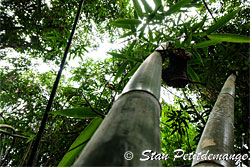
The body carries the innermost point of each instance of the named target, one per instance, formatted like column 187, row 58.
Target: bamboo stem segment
column 148, row 76
column 218, row 135
column 132, row 123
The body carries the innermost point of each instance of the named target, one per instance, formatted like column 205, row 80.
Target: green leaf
column 146, row 6
column 138, row 8
column 193, row 74
column 176, row 7
column 131, row 47
column 197, row 61
column 142, row 29
column 179, row 18
column 117, row 55
column 151, row 39
column 78, row 145
column 205, row 51
column 209, row 79
column 121, row 70
column 120, row 56
column 199, row 25
column 230, row 38
column 132, row 71
column 198, row 56
column 83, row 112
column 125, row 23
column 157, row 4
column 135, row 59
column 31, row 138
column 154, row 15
column 195, row 4
column 222, row 21
column 206, row 43
column 127, row 34
column 188, row 33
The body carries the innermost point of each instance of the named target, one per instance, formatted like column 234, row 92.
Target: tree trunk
column 218, row 135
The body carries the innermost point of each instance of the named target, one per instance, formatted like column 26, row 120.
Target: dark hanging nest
column 175, row 74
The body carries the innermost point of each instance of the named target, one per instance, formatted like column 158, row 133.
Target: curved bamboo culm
column 217, row 139
column 132, row 123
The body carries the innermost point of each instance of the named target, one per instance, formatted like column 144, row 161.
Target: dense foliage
column 40, row 29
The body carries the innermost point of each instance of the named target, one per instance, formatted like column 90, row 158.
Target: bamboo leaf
column 206, row 43
column 80, row 143
column 198, row 56
column 197, row 61
column 83, row 112
column 133, row 28
column 125, row 23
column 117, row 55
column 134, row 59
column 131, row 47
column 154, row 15
column 127, row 34
column 157, row 4
column 151, row 39
column 146, row 6
column 132, row 71
column 121, row 70
column 199, row 25
column 142, row 30
column 120, row 56
column 230, row 38
column 176, row 7
column 205, row 51
column 175, row 129
column 209, row 78
column 222, row 21
column 179, row 18
column 138, row 8
column 193, row 74
column 196, row 4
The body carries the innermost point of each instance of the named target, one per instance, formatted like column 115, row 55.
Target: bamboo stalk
column 132, row 123
column 218, row 135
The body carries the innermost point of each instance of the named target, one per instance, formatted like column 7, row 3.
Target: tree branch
column 102, row 116
column 171, row 92
column 190, row 102
column 209, row 10
column 13, row 135
column 4, row 120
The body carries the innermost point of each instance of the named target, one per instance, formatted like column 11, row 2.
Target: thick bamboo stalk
column 218, row 135
column 132, row 123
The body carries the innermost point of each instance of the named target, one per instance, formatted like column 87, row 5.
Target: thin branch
column 102, row 116
column 13, row 135
column 209, row 10
column 4, row 120
column 190, row 102
column 126, row 40
column 53, row 92
column 26, row 153
column 171, row 92
column 103, row 91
